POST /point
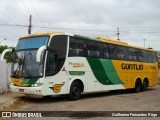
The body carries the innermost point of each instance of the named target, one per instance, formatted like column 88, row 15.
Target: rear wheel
column 75, row 91
column 138, row 86
column 145, row 85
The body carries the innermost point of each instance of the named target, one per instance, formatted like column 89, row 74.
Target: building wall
column 3, row 77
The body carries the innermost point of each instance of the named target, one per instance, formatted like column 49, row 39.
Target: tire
column 138, row 86
column 75, row 91
column 145, row 85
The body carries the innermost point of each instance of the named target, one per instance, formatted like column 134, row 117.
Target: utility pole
column 118, row 34
column 30, row 24
column 144, row 42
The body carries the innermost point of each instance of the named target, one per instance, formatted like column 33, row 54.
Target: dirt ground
column 119, row 100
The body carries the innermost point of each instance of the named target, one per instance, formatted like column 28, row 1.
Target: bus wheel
column 75, row 91
column 145, row 85
column 138, row 86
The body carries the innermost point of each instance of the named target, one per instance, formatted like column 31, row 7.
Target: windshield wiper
column 27, row 71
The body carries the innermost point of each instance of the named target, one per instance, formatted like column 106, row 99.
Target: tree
column 2, row 48
column 8, row 56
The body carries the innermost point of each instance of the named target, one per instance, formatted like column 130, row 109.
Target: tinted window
column 51, row 65
column 132, row 54
column 151, row 56
column 56, row 54
column 105, row 50
column 77, row 47
column 112, row 51
column 141, row 54
column 122, row 53
column 94, row 49
column 154, row 54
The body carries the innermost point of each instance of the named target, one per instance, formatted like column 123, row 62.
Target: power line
column 65, row 28
column 35, row 11
column 13, row 25
column 20, row 8
column 28, row 11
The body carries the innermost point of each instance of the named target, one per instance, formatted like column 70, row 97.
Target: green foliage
column 8, row 56
column 3, row 48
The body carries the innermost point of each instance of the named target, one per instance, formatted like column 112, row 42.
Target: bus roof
column 119, row 42
column 97, row 38
column 42, row 34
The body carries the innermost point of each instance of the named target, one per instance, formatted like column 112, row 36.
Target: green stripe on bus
column 104, row 71
column 99, row 71
column 30, row 81
column 110, row 71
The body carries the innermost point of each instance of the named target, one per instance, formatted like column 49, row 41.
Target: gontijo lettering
column 132, row 66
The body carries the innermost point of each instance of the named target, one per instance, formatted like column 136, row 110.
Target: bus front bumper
column 27, row 90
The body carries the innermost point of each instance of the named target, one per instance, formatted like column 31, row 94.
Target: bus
column 59, row 63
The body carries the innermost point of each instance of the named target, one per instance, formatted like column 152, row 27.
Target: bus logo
column 57, row 88
column 76, row 65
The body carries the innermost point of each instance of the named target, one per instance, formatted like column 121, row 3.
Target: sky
column 138, row 20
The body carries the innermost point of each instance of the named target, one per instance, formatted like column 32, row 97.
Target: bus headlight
column 37, row 84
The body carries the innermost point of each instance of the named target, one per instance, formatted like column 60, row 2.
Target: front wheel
column 75, row 91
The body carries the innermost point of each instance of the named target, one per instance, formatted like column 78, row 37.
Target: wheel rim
column 145, row 85
column 75, row 91
column 138, row 87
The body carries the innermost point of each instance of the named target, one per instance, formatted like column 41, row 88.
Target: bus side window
column 149, row 57
column 57, row 49
column 51, row 65
column 105, row 50
column 141, row 54
column 122, row 53
column 77, row 47
column 112, row 51
column 155, row 57
column 132, row 54
column 94, row 49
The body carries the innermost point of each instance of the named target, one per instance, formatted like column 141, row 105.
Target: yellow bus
column 57, row 63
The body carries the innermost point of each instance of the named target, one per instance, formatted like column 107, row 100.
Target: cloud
column 137, row 19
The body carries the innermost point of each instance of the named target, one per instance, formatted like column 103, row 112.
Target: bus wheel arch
column 138, row 85
column 145, row 84
column 75, row 89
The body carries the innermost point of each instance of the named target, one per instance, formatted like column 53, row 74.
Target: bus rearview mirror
column 39, row 53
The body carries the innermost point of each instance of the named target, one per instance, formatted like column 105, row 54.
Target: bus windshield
column 32, row 42
column 24, row 64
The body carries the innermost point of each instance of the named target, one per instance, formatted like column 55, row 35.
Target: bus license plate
column 21, row 90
